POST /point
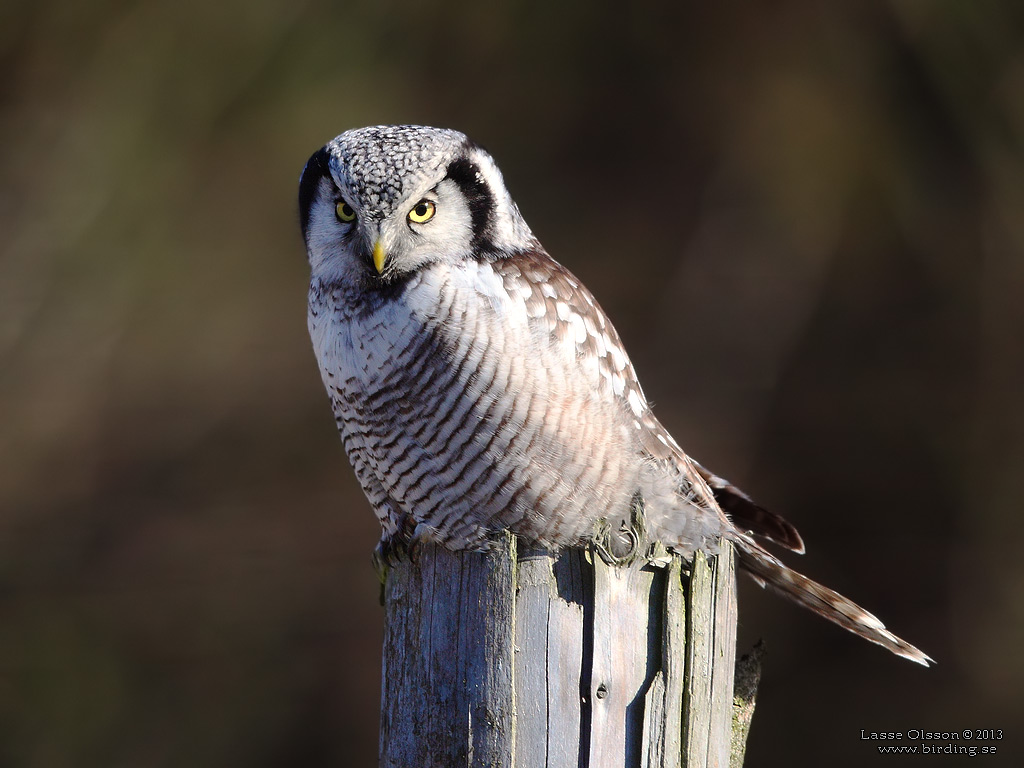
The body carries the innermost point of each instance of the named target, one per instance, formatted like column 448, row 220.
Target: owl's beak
column 379, row 256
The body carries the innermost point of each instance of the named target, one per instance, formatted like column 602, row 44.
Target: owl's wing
column 560, row 306
column 587, row 348
column 569, row 312
column 750, row 516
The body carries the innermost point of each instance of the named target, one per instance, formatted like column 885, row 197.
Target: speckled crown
column 379, row 164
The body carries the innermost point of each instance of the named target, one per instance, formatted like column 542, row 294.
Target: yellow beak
column 379, row 256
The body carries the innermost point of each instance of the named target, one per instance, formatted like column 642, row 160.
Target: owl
column 478, row 385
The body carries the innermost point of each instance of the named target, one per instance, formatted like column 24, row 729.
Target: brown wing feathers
column 748, row 516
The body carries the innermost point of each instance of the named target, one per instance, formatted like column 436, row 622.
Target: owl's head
column 382, row 202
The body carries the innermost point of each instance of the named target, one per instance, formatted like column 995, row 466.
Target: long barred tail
column 769, row 571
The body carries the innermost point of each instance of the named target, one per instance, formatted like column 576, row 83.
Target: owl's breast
column 470, row 412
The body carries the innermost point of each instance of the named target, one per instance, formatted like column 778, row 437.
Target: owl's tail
column 769, row 571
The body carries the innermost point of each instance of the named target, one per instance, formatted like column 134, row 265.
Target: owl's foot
column 403, row 544
column 390, row 550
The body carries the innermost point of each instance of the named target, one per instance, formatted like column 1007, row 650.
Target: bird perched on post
column 478, row 385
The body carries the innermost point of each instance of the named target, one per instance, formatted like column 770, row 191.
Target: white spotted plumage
column 477, row 384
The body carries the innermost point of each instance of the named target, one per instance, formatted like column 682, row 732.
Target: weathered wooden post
column 520, row 658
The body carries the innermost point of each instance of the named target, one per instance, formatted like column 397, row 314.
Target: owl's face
column 380, row 203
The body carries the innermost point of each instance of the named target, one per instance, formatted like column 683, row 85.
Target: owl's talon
column 420, row 535
column 388, row 553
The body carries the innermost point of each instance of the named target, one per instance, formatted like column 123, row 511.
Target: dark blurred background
column 806, row 220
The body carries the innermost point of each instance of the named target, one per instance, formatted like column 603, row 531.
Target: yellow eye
column 423, row 212
column 344, row 212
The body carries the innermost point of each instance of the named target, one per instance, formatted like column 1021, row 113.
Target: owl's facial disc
column 428, row 225
column 378, row 203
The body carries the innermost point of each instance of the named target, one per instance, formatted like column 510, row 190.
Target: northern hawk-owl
column 478, row 385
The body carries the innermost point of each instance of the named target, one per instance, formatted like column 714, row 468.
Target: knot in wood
column 622, row 544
